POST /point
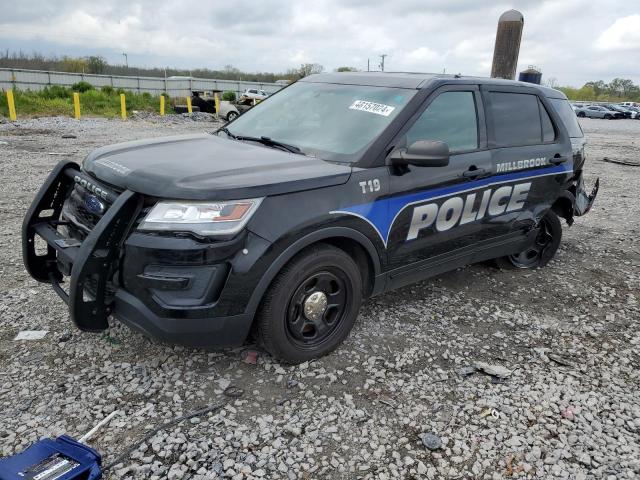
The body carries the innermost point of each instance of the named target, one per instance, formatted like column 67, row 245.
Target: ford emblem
column 93, row 204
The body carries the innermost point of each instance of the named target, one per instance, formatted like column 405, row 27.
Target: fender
column 305, row 241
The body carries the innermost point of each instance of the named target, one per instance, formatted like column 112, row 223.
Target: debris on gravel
column 431, row 441
column 494, row 370
column 363, row 411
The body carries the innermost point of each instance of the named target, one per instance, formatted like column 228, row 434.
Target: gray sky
column 573, row 41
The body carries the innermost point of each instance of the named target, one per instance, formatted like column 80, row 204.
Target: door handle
column 474, row 173
column 558, row 159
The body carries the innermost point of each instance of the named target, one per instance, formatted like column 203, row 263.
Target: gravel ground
column 567, row 335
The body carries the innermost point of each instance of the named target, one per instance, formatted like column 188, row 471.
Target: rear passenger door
column 531, row 153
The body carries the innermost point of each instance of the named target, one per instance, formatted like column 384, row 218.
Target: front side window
column 450, row 118
column 331, row 121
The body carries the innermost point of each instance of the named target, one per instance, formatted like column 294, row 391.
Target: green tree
column 622, row 87
column 346, row 69
column 598, row 87
column 96, row 64
column 75, row 65
column 305, row 70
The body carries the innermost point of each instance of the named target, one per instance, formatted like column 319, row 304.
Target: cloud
column 275, row 35
column 624, row 34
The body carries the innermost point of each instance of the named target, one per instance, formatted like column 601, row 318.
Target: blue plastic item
column 61, row 459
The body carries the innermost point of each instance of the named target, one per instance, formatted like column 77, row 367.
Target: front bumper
column 169, row 288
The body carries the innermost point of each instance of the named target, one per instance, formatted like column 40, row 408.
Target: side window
column 516, row 119
column 548, row 132
column 450, row 118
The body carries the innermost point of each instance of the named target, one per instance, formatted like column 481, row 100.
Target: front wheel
column 311, row 306
column 543, row 249
column 581, row 114
column 608, row 117
column 231, row 116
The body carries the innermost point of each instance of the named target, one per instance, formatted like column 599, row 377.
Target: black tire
column 581, row 114
column 283, row 326
column 608, row 117
column 231, row 116
column 542, row 251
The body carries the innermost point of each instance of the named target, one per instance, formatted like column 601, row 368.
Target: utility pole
column 126, row 59
column 382, row 61
column 367, row 64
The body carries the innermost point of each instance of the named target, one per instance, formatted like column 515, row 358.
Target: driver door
column 433, row 210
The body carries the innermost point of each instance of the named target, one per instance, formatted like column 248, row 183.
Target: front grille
column 76, row 212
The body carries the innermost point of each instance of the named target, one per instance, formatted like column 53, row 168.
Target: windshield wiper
column 226, row 130
column 269, row 142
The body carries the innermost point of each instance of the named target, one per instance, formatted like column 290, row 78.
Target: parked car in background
column 579, row 108
column 255, row 94
column 598, row 111
column 617, row 108
column 629, row 104
column 206, row 102
column 635, row 112
column 284, row 83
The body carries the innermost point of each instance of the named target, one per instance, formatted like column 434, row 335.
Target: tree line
column 618, row 90
column 99, row 65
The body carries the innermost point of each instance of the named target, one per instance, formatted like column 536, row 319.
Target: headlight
column 203, row 218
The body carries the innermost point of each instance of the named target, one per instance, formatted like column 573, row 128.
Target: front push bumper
column 93, row 265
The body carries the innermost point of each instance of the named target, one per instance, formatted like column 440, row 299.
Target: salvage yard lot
column 569, row 334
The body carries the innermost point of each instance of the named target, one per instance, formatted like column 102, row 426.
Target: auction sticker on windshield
column 372, row 107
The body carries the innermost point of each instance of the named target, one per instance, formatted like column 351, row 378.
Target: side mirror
column 423, row 153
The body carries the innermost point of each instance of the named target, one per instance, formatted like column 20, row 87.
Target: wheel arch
column 353, row 242
column 563, row 206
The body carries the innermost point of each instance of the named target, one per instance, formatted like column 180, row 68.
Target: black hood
column 207, row 167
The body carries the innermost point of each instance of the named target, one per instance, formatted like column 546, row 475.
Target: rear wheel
column 608, row 117
column 311, row 306
column 581, row 114
column 543, row 249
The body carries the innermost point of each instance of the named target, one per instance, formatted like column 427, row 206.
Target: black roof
column 418, row 80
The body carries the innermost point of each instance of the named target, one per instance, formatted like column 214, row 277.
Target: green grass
column 57, row 100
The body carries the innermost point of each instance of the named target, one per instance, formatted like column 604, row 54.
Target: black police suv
column 337, row 188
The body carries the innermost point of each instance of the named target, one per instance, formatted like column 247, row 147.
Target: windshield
column 331, row 121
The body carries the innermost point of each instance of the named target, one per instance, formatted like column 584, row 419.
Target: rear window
column 516, row 119
column 548, row 132
column 568, row 116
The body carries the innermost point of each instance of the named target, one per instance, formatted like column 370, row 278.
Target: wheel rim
column 532, row 256
column 317, row 307
column 232, row 116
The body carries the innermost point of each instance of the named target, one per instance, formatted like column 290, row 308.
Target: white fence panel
column 22, row 79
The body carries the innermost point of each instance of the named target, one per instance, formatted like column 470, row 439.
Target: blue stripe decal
column 382, row 213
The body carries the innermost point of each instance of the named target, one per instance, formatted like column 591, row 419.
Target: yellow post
column 123, row 106
column 161, row 104
column 217, row 100
column 76, row 105
column 189, row 105
column 12, row 105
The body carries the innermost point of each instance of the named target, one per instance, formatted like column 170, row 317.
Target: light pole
column 382, row 61
column 126, row 59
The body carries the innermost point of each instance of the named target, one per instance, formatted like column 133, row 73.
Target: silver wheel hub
column 315, row 305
